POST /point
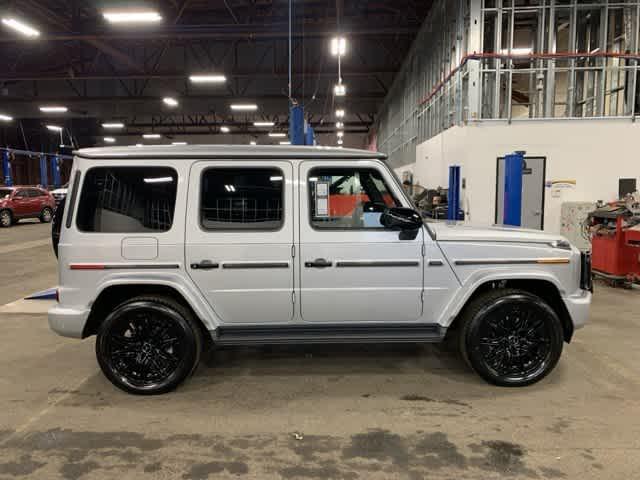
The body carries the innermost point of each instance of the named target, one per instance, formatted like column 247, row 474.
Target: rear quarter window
column 127, row 200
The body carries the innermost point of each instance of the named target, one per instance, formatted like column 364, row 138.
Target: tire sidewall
column 553, row 323
column 187, row 363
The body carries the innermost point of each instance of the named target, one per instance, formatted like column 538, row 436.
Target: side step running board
column 330, row 333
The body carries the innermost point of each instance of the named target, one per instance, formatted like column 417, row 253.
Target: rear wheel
column 46, row 215
column 511, row 337
column 148, row 345
column 6, row 219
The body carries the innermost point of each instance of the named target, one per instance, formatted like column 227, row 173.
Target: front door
column 239, row 239
column 21, row 203
column 351, row 268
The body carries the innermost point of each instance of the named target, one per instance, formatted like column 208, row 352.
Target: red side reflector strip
column 86, row 266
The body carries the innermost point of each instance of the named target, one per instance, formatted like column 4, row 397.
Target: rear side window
column 242, row 199
column 127, row 200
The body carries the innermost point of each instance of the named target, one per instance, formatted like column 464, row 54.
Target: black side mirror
column 401, row 218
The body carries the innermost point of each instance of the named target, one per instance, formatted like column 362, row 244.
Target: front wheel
column 149, row 345
column 5, row 218
column 511, row 337
column 46, row 215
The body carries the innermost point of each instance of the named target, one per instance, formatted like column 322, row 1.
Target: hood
column 460, row 232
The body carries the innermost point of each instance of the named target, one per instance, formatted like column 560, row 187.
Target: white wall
column 594, row 153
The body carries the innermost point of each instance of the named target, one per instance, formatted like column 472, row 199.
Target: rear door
column 353, row 269
column 239, row 239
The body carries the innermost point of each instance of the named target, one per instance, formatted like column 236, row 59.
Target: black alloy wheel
column 6, row 218
column 149, row 345
column 511, row 337
column 46, row 215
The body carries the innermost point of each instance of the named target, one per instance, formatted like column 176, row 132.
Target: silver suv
column 166, row 250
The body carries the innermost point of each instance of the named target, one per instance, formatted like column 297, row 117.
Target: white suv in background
column 164, row 250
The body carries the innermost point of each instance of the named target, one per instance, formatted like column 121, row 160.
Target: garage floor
column 312, row 412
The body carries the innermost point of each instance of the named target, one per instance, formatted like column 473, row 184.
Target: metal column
column 6, row 169
column 296, row 125
column 44, row 177
column 55, row 170
column 454, row 193
column 309, row 135
column 513, row 188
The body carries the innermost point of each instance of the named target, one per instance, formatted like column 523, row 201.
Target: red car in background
column 25, row 202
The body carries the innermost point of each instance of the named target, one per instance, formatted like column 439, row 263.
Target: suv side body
column 277, row 245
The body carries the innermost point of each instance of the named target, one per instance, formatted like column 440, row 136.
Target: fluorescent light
column 253, row 142
column 208, row 78
column 20, row 27
column 113, row 125
column 340, row 142
column 109, row 139
column 53, row 109
column 340, row 134
column 172, row 102
column 124, row 16
column 340, row 113
column 178, row 143
column 275, row 179
column 54, row 128
column 338, row 46
column 245, row 107
column 340, row 90
column 151, row 135
column 339, row 125
column 285, row 143
column 517, row 51
column 277, row 134
column 5, row 118
column 224, row 129
column 158, row 180
column 313, row 179
column 230, row 188
column 263, row 124
column 139, row 145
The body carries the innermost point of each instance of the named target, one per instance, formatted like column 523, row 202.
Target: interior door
column 351, row 268
column 239, row 239
column 533, row 177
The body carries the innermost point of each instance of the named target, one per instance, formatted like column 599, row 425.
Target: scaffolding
column 513, row 60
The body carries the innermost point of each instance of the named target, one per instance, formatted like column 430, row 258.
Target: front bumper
column 68, row 322
column 578, row 307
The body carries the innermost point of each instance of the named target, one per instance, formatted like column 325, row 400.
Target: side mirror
column 400, row 218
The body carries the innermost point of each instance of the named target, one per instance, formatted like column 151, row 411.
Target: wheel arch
column 114, row 294
column 544, row 288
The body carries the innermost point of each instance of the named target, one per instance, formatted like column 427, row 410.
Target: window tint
column 21, row 194
column 348, row 198
column 32, row 192
column 127, row 199
column 242, row 198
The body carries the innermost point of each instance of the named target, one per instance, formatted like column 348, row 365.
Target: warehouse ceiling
column 120, row 73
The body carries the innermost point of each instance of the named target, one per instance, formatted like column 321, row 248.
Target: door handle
column 318, row 263
column 204, row 265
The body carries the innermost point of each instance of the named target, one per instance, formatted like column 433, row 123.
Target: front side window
column 21, row 194
column 343, row 198
column 242, row 199
column 127, row 199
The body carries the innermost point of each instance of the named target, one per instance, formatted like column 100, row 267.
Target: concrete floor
column 370, row 412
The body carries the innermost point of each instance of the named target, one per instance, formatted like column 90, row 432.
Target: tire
column 6, row 219
column 510, row 337
column 134, row 347
column 46, row 215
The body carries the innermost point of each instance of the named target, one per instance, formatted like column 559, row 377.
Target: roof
column 228, row 152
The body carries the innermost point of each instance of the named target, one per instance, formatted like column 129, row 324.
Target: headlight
column 561, row 244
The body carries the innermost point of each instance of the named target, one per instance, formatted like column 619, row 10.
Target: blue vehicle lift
column 55, row 160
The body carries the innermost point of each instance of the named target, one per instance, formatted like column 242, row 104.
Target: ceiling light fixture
column 340, row 113
column 170, row 101
column 224, row 129
column 245, row 107
column 340, row 89
column 340, row 134
column 208, row 78
column 277, row 134
column 178, row 143
column 5, row 118
column 263, row 124
column 253, row 142
column 113, row 125
column 54, row 128
column 148, row 16
column 158, row 180
column 151, row 135
column 21, row 27
column 339, row 125
column 340, row 142
column 338, row 46
column 109, row 139
column 285, row 143
column 54, row 109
